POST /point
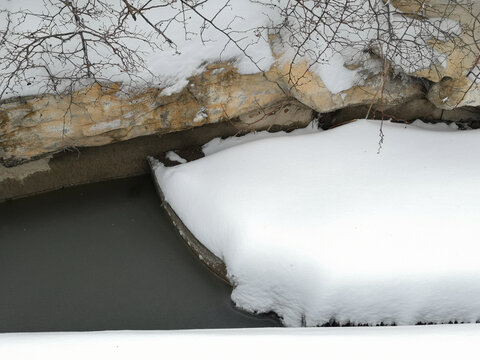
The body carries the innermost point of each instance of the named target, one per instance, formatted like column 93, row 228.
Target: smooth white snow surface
column 173, row 156
column 426, row 342
column 321, row 226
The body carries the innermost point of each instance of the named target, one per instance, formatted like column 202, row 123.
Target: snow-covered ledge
column 369, row 223
column 421, row 342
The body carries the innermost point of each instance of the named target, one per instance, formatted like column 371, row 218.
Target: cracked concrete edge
column 23, row 171
column 206, row 257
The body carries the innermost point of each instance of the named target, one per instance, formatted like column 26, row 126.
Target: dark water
column 104, row 256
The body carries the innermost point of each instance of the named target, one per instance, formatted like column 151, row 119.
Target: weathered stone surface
column 312, row 92
column 455, row 84
column 31, row 128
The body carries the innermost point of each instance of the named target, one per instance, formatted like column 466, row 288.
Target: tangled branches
column 359, row 31
column 60, row 44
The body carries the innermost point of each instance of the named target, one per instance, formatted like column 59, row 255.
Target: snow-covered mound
column 323, row 226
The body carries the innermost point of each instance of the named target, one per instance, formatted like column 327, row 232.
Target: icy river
column 104, row 256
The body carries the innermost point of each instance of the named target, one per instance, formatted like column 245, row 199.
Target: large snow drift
column 321, row 226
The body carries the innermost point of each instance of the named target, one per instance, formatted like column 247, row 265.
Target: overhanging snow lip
column 206, row 257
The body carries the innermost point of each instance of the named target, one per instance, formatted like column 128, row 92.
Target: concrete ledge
column 206, row 257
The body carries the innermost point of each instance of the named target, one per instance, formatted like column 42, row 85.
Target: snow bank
column 439, row 342
column 321, row 226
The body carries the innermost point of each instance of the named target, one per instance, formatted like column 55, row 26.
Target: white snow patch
column 201, row 115
column 320, row 226
column 173, row 156
column 336, row 76
column 219, row 144
column 175, row 88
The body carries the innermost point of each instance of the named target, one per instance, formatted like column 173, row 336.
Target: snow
column 335, row 76
column 428, row 342
column 173, row 156
column 201, row 115
column 321, row 226
column 218, row 144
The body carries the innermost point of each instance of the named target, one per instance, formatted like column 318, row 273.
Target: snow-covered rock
column 363, row 224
